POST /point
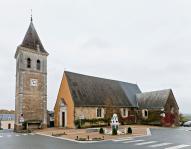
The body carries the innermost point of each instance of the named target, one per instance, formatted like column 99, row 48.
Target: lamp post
column 1, row 120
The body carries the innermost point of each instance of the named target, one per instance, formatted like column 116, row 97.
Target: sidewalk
column 72, row 134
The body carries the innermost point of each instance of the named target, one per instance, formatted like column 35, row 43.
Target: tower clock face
column 33, row 82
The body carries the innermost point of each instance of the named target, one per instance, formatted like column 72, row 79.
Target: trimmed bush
column 101, row 131
column 114, row 131
column 92, row 122
column 129, row 130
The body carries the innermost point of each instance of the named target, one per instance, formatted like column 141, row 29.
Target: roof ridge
column 99, row 77
column 162, row 90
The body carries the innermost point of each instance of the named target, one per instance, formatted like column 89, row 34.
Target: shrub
column 101, row 131
column 97, row 139
column 129, row 130
column 92, row 122
column 114, row 131
column 24, row 124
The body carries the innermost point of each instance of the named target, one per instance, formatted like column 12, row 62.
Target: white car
column 187, row 124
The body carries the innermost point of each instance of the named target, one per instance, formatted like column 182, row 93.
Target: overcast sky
column 147, row 42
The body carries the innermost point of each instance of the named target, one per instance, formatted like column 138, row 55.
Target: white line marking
column 17, row 135
column 8, row 135
column 148, row 132
column 124, row 139
column 133, row 141
column 159, row 145
column 178, row 146
column 24, row 134
column 32, row 134
column 1, row 136
column 145, row 143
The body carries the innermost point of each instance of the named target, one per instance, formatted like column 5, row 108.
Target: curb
column 67, row 139
column 148, row 131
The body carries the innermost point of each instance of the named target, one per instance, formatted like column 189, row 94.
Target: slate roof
column 32, row 40
column 94, row 91
column 6, row 117
column 154, row 99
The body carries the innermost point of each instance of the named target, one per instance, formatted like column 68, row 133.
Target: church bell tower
column 31, row 82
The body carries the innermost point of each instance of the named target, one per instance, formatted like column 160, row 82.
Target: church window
column 38, row 64
column 28, row 63
column 124, row 112
column 145, row 113
column 99, row 112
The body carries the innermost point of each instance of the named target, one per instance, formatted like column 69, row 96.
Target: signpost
column 21, row 119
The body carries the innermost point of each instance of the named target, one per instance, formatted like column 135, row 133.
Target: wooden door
column 9, row 126
column 63, row 119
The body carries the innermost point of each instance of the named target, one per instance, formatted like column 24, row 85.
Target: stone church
column 91, row 101
column 31, row 82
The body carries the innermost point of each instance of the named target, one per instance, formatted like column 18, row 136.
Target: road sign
column 21, row 119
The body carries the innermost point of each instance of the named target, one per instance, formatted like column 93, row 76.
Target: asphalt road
column 163, row 138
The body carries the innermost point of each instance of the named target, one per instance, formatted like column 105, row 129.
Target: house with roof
column 92, row 101
column 7, row 121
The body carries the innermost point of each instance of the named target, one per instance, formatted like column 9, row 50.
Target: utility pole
column 1, row 120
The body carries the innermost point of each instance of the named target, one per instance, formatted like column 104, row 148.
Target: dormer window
column 38, row 64
column 28, row 63
column 38, row 47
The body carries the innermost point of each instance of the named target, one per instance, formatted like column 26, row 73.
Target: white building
column 7, row 121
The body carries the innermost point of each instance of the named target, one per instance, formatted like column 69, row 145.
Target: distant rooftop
column 7, row 117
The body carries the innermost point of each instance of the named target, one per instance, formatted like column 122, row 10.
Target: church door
column 63, row 119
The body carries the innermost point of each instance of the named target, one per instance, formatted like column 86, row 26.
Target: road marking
column 133, row 141
column 145, row 143
column 32, row 134
column 178, row 146
column 24, row 134
column 148, row 132
column 8, row 136
column 122, row 139
column 159, row 145
column 1, row 136
column 17, row 135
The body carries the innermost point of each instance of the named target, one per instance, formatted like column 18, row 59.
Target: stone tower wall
column 31, row 101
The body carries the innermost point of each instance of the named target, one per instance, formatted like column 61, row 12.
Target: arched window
column 38, row 64
column 28, row 63
column 145, row 113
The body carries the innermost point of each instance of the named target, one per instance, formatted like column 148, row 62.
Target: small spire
column 31, row 16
